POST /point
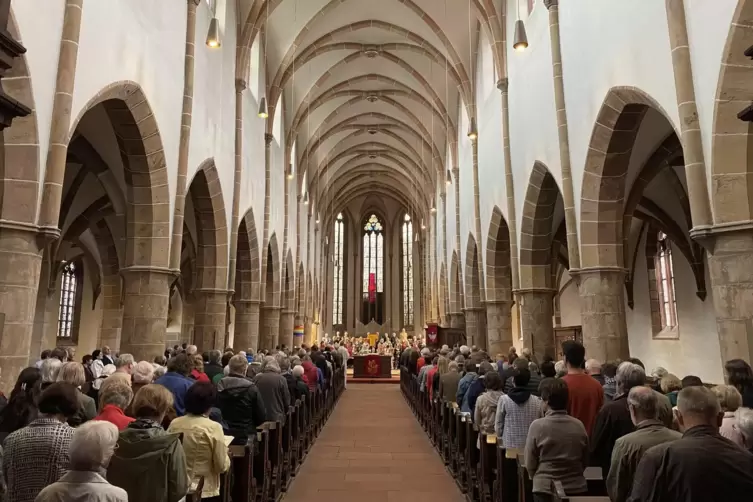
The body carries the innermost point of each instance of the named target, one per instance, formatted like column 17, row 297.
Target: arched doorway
column 247, row 286
column 475, row 314
column 498, row 285
column 270, row 311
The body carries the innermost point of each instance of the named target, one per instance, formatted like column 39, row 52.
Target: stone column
column 269, row 327
column 602, row 293
column 20, row 262
column 146, row 294
column 445, row 286
column 246, row 325
column 267, row 201
column 112, row 312
column 287, row 319
column 730, row 261
column 461, row 263
column 479, row 240
column 54, row 174
column 571, row 226
column 209, row 318
column 509, row 185
column 536, row 309
column 690, row 129
column 237, row 175
column 185, row 138
column 499, row 326
column 475, row 326
column 457, row 320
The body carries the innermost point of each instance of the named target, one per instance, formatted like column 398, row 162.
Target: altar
column 372, row 366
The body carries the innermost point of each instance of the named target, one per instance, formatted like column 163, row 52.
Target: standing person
column 557, row 446
column 699, row 467
column 729, row 401
column 197, row 372
column 740, row 375
column 124, row 364
column 91, row 448
column 516, row 412
column 213, row 367
column 465, row 384
column 73, row 373
column 485, row 413
column 274, row 391
column 628, row 450
column 177, row 380
column 239, row 400
column 107, row 356
column 203, row 440
column 21, row 408
column 149, row 463
column 448, row 383
column 113, row 401
column 593, row 368
column 37, row 455
column 614, row 420
column 585, row 395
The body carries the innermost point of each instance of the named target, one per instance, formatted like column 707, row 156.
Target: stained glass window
column 407, row 252
column 665, row 278
column 339, row 269
column 373, row 244
column 68, row 286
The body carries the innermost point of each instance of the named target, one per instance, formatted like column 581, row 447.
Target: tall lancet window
column 373, row 271
column 339, row 272
column 70, row 300
column 407, row 270
column 665, row 278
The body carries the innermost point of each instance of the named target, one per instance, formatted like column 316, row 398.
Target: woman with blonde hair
column 670, row 385
column 74, row 374
column 149, row 463
column 730, row 400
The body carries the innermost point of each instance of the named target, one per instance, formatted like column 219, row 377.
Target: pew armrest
column 558, row 490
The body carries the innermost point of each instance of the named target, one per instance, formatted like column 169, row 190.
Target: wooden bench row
column 262, row 469
column 482, row 469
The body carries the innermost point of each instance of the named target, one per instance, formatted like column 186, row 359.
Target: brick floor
column 373, row 450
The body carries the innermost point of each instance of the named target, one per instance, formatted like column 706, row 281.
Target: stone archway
column 270, row 310
column 601, row 280
column 287, row 302
column 457, row 319
column 444, row 299
column 536, row 289
column 498, row 285
column 210, row 289
column 475, row 314
column 730, row 244
column 247, row 286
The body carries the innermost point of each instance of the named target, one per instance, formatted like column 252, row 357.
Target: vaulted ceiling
column 372, row 91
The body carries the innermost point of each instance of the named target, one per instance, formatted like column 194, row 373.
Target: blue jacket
column 474, row 391
column 463, row 386
column 178, row 385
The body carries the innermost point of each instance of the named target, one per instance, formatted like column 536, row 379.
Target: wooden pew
column 471, row 454
column 558, row 495
column 287, row 448
column 195, row 495
column 275, row 461
column 596, row 485
column 261, row 467
column 238, row 482
column 487, row 466
column 459, row 447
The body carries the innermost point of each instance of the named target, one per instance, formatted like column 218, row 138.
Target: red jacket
column 114, row 415
column 310, row 375
column 199, row 377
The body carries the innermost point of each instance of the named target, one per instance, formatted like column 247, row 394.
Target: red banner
column 372, row 288
column 373, row 365
column 432, row 331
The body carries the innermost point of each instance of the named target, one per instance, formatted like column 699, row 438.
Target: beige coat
column 82, row 486
column 206, row 453
column 486, row 410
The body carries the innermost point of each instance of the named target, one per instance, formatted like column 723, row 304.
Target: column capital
column 707, row 236
column 151, row 269
column 541, row 291
column 502, row 84
column 271, row 307
column 268, row 138
column 550, row 3
column 246, row 302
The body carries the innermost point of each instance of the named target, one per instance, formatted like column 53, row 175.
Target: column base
column 246, row 325
column 457, row 320
column 499, row 326
column 145, row 304
column 536, row 310
column 602, row 293
column 287, row 321
column 269, row 327
column 475, row 327
column 209, row 319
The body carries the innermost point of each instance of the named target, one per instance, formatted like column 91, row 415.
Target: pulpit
column 372, row 366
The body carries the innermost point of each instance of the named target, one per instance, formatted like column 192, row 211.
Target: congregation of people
column 655, row 437
column 112, row 429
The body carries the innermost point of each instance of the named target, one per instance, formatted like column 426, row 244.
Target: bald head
column 698, row 406
column 643, row 403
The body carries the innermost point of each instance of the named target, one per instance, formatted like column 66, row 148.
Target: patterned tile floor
column 372, row 449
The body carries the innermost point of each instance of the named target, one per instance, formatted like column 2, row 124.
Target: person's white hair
column 143, row 372
column 629, row 375
column 744, row 423
column 92, row 445
column 592, row 365
column 560, row 367
column 271, row 367
column 298, row 371
column 238, row 364
column 191, row 350
column 158, row 372
column 698, row 401
column 425, row 351
column 465, row 350
column 658, row 373
column 49, row 369
column 124, row 360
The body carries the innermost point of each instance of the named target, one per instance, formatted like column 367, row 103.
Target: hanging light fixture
column 306, row 199
column 433, row 207
column 448, row 178
column 290, row 171
column 520, row 42
column 317, row 217
column 423, row 225
column 263, row 112
column 416, row 239
column 213, row 34
column 472, row 132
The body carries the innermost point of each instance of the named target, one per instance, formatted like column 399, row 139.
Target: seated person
column 149, row 463
column 203, row 440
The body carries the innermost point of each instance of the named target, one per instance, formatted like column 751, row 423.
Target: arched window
column 70, row 300
column 665, row 281
column 373, row 271
column 407, row 270
column 339, row 272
